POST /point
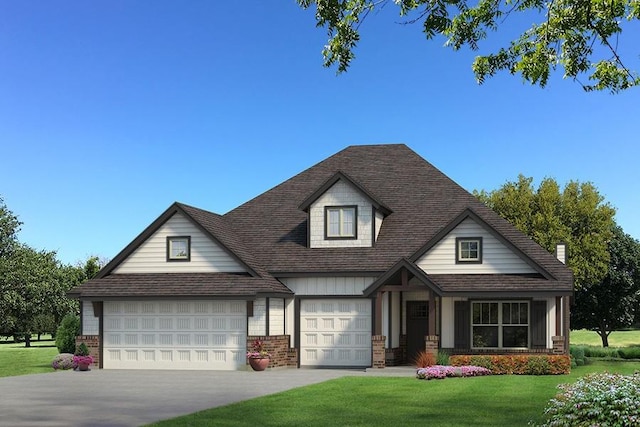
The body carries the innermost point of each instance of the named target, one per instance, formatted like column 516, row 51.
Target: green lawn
column 508, row 400
column 616, row 339
column 15, row 359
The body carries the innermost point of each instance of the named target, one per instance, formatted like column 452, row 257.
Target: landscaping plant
column 63, row 361
column 66, row 334
column 599, row 399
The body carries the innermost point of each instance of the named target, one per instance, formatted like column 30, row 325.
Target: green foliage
column 522, row 364
column 629, row 352
column 577, row 354
column 82, row 350
column 581, row 37
column 66, row 334
column 597, row 399
column 602, row 352
column 610, row 304
column 442, row 358
column 9, row 227
column 576, row 215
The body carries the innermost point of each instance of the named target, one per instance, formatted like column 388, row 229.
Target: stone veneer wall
column 377, row 342
column 279, row 347
column 93, row 343
column 558, row 345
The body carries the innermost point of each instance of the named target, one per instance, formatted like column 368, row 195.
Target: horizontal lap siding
column 206, row 255
column 496, row 257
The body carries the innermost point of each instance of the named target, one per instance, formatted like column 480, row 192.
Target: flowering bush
column 258, row 351
column 600, row 399
column 424, row 359
column 523, row 364
column 441, row 372
column 63, row 361
column 82, row 360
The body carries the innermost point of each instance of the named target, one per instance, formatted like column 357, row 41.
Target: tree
column 9, row 227
column 577, row 216
column 580, row 36
column 611, row 303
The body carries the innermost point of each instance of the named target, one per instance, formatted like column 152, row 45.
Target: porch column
column 432, row 313
column 378, row 314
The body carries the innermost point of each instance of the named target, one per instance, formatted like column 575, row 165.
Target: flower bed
column 441, row 372
column 524, row 364
column 63, row 361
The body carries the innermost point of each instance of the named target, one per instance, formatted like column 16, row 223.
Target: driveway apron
column 136, row 397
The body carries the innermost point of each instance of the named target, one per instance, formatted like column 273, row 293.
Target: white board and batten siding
column 319, row 286
column 206, row 255
column 335, row 332
column 496, row 257
column 206, row 335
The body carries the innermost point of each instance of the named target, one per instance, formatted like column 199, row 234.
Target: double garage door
column 335, row 332
column 174, row 335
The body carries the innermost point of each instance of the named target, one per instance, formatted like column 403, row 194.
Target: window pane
column 524, row 313
column 506, row 313
column 476, row 312
column 485, row 336
column 514, row 336
column 494, row 313
column 347, row 222
column 178, row 249
column 334, row 222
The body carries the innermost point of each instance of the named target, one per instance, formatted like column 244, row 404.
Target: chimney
column 561, row 252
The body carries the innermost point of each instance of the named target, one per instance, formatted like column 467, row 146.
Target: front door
column 417, row 327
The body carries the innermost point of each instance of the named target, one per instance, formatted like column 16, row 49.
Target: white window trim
column 341, row 210
column 500, row 323
column 460, row 259
column 174, row 239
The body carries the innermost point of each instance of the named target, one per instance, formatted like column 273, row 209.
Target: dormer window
column 179, row 248
column 469, row 250
column 341, row 222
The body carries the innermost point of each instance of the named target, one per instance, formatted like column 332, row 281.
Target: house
column 362, row 260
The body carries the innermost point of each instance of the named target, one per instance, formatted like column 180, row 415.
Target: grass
column 616, row 339
column 15, row 359
column 509, row 400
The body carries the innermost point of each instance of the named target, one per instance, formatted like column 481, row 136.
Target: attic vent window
column 179, row 248
column 469, row 250
column 341, row 222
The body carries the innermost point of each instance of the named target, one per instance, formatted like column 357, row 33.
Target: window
column 341, row 222
column 469, row 250
column 500, row 324
column 179, row 248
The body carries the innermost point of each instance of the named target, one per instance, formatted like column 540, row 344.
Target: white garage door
column 175, row 335
column 335, row 332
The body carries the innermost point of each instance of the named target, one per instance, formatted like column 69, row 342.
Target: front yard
column 15, row 359
column 508, row 400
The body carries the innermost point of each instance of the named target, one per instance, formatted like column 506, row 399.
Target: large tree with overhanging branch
column 582, row 37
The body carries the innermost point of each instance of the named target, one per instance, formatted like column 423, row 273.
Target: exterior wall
column 496, row 257
column 90, row 323
column 379, row 219
column 447, row 328
column 276, row 316
column 206, row 255
column 278, row 347
column 290, row 322
column 257, row 324
column 328, row 285
column 341, row 194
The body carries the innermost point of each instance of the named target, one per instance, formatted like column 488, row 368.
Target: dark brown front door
column 417, row 327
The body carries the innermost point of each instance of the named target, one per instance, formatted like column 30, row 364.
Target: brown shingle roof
column 179, row 284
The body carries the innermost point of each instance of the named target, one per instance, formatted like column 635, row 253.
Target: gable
column 339, row 194
column 206, row 255
column 497, row 258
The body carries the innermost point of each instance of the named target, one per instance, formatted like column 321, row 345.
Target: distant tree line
column 34, row 283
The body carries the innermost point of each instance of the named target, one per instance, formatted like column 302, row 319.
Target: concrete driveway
column 132, row 398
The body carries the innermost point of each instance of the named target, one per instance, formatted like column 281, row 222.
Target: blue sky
column 112, row 110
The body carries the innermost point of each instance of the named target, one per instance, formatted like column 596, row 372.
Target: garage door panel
column 335, row 332
column 175, row 335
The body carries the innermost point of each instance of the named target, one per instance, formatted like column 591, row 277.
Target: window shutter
column 538, row 324
column 462, row 324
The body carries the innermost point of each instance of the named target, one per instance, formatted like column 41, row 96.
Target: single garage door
column 174, row 335
column 335, row 332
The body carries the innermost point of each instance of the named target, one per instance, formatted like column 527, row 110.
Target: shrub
column 63, row 361
column 578, row 354
column 596, row 399
column 441, row 372
column 522, row 364
column 424, row 359
column 629, row 352
column 82, row 350
column 442, row 358
column 592, row 351
column 66, row 334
